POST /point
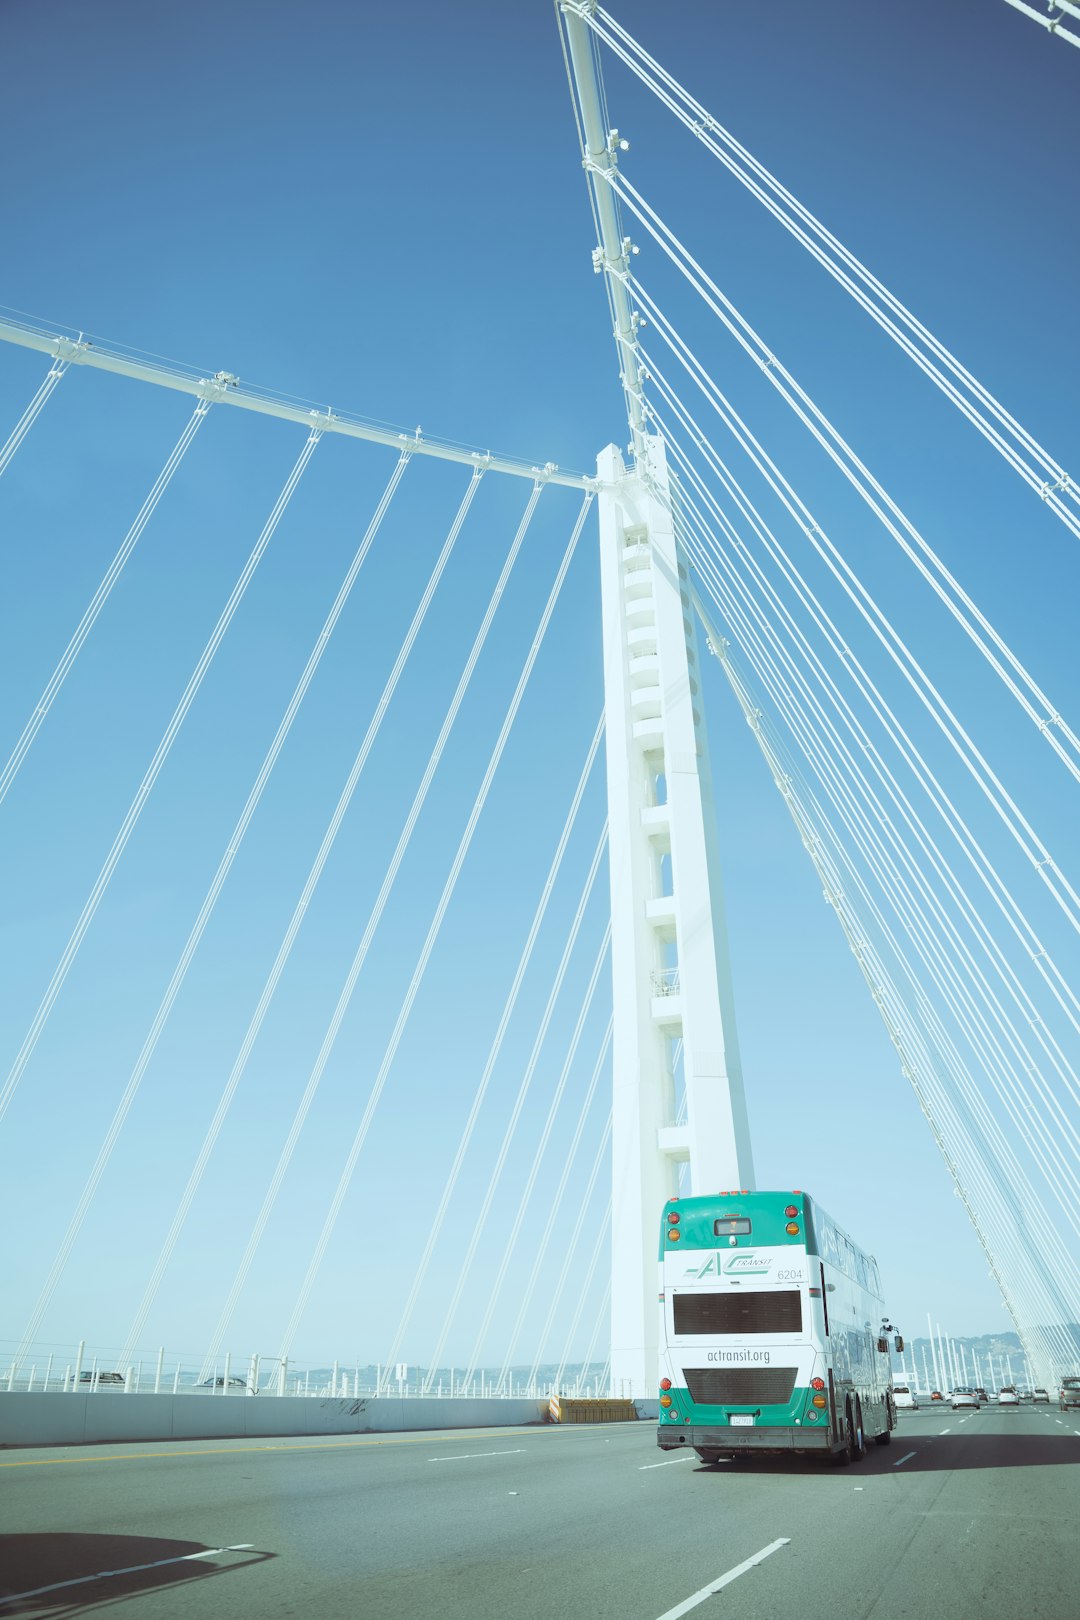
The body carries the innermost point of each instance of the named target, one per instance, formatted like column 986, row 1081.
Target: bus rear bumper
column 760, row 1438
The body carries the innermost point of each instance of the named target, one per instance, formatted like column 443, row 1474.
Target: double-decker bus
column 772, row 1331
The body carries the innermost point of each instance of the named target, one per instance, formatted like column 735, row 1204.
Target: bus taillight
column 817, row 1383
column 820, row 1402
column 665, row 1383
column 792, row 1229
column 673, row 1217
column 665, row 1400
column 673, row 1234
column 792, row 1209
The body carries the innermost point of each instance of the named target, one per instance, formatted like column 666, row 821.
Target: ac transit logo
column 746, row 1265
column 720, row 1264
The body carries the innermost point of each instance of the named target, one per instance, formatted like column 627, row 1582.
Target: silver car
column 964, row 1397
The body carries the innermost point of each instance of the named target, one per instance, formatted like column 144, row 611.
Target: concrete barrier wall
column 91, row 1418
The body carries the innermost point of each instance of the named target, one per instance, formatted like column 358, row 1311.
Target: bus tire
column 846, row 1452
column 858, row 1436
column 885, row 1438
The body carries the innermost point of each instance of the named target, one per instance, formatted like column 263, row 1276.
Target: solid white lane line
column 905, row 1458
column 685, row 1457
column 132, row 1569
column 946, row 1431
column 464, row 1456
column 724, row 1580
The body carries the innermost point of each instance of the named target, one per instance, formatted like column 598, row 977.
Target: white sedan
column 964, row 1397
column 1008, row 1397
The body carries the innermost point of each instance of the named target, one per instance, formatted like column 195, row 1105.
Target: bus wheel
column 858, row 1437
column 885, row 1438
column 846, row 1453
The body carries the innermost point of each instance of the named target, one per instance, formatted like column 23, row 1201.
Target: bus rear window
column 707, row 1315
column 733, row 1226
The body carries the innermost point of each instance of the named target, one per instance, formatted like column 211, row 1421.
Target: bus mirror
column 883, row 1344
column 899, row 1344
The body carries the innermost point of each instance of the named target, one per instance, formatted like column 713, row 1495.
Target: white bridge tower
column 672, row 980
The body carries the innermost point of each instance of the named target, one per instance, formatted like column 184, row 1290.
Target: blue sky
column 383, row 209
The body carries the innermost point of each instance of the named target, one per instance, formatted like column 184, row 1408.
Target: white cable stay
column 307, row 892
column 863, row 834
column 194, row 938
column 601, row 1247
column 100, row 597
column 41, row 398
column 1024, row 689
column 510, row 1241
column 554, row 1208
column 761, row 592
column 435, row 1225
column 938, row 963
column 959, row 739
column 991, row 880
column 834, row 750
column 449, row 886
column 891, row 1006
column 1050, row 481
column 571, row 1249
column 223, row 388
column 161, row 754
column 1058, row 10
column 889, row 639
column 479, row 1220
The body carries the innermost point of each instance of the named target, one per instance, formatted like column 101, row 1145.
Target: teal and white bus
column 772, row 1331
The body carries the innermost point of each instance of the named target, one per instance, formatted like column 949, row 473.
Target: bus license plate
column 742, row 1417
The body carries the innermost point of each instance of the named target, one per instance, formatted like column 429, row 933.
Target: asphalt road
column 963, row 1515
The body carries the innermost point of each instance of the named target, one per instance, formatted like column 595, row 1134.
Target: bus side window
column 825, row 1301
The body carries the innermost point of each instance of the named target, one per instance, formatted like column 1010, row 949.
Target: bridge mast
column 671, row 975
column 670, row 968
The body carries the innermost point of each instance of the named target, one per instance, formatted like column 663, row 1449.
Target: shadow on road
column 59, row 1574
column 932, row 1454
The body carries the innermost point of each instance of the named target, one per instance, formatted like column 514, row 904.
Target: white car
column 904, row 1398
column 965, row 1397
column 1008, row 1397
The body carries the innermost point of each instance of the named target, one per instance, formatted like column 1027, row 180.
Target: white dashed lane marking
column 724, row 1580
column 900, row 1461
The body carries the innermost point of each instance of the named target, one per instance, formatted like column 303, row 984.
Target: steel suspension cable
column 524, row 1086
column 100, row 597
column 510, row 1242
column 232, row 849
column 161, row 754
column 299, row 912
column 889, row 639
column 864, row 833
column 436, row 1224
column 603, row 1225
column 910, row 754
column 574, row 1243
column 554, row 1208
column 880, row 816
column 32, row 412
column 433, row 931
column 913, row 544
column 892, row 1007
column 802, row 224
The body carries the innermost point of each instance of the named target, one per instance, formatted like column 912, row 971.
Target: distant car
column 237, row 1384
column 1008, row 1396
column 935, row 1395
column 904, row 1398
column 1069, row 1394
column 964, row 1397
column 1040, row 1396
column 1026, row 1395
column 103, row 1380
